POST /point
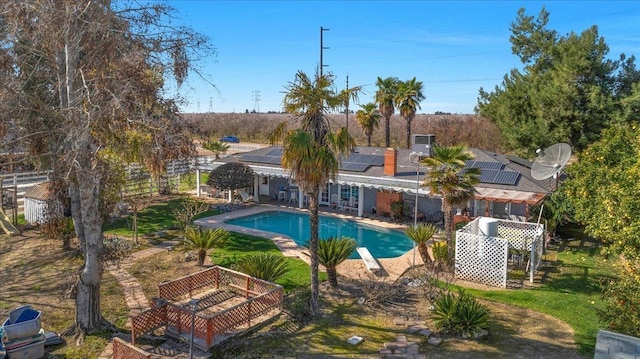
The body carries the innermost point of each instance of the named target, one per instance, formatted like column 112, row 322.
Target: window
column 348, row 191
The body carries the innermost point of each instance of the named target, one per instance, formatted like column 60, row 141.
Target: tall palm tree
column 420, row 234
column 368, row 118
column 408, row 100
column 385, row 98
column 346, row 97
column 312, row 153
column 447, row 179
column 203, row 240
column 332, row 252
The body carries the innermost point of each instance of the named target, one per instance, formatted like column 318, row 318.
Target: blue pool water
column 381, row 242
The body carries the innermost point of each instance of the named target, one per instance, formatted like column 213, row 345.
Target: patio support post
column 197, row 181
column 193, row 306
column 256, row 186
column 300, row 198
column 360, row 200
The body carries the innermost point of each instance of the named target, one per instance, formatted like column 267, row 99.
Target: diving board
column 6, row 224
column 370, row 262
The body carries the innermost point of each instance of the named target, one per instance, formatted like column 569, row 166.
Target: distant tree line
column 472, row 130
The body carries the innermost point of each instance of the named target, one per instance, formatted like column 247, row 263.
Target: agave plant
column 459, row 314
column 203, row 240
column 269, row 267
column 332, row 252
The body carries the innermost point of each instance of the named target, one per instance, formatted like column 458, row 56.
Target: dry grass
column 37, row 272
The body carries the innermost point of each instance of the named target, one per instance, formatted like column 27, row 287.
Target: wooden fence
column 124, row 350
column 261, row 297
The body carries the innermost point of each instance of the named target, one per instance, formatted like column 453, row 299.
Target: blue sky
column 453, row 47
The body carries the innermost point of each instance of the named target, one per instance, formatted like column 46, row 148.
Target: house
column 372, row 178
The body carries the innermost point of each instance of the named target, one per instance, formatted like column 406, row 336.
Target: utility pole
column 322, row 65
column 210, row 104
column 346, row 110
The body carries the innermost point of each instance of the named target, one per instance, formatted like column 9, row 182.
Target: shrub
column 116, row 249
column 459, row 314
column 622, row 304
column 297, row 304
column 266, row 266
column 398, row 210
column 440, row 251
column 461, row 224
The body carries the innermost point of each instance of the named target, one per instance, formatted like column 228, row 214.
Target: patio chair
column 335, row 201
column 353, row 204
column 342, row 205
column 246, row 197
column 205, row 190
column 293, row 196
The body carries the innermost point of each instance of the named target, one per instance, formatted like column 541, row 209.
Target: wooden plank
column 370, row 262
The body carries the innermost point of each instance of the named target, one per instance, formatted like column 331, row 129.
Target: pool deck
column 352, row 268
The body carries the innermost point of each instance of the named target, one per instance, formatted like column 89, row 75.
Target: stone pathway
column 134, row 294
column 402, row 348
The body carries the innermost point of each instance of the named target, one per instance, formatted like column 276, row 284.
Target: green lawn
column 241, row 245
column 150, row 220
column 570, row 291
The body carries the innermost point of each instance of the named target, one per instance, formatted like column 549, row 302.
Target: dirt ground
column 35, row 271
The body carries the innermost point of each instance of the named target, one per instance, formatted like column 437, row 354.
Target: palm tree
column 447, row 179
column 202, row 240
column 312, row 153
column 266, row 266
column 346, row 96
column 385, row 97
column 369, row 119
column 407, row 100
column 332, row 252
column 216, row 147
column 420, row 234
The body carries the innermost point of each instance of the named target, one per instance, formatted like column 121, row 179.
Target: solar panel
column 507, row 177
column 489, row 165
column 487, row 176
column 275, row 152
column 499, row 177
column 252, row 158
column 374, row 160
column 353, row 166
column 274, row 160
column 354, row 157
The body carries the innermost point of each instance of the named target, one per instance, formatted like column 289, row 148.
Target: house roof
column 523, row 188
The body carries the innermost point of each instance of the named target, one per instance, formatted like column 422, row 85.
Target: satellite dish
column 551, row 161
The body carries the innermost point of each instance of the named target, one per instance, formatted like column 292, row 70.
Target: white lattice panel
column 519, row 234
column 481, row 259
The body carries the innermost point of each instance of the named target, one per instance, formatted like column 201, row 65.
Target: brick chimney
column 390, row 162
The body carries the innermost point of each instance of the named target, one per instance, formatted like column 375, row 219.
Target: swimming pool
column 381, row 242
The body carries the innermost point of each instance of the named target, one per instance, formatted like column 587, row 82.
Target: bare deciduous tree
column 82, row 84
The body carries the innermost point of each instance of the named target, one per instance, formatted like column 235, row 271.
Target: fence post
column 247, row 287
column 249, row 314
column 217, row 277
column 133, row 332
column 209, row 332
